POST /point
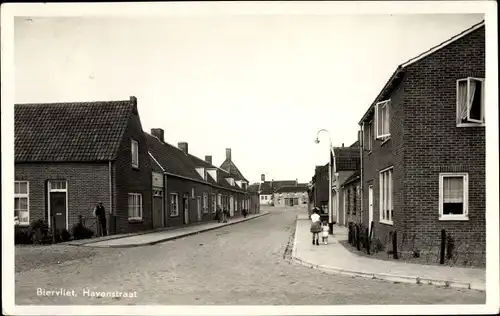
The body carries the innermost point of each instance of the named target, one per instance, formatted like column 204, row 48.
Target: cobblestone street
column 238, row 264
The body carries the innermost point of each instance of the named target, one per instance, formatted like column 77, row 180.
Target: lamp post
column 330, row 182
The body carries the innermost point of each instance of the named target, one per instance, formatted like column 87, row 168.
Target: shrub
column 81, row 232
column 377, row 245
column 416, row 253
column 62, row 235
column 22, row 236
column 39, row 231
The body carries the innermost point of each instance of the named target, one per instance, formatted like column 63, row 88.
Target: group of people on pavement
column 318, row 227
column 222, row 215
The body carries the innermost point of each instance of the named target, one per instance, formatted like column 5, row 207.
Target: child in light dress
column 325, row 231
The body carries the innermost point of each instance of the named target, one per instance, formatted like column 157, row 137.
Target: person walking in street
column 219, row 214
column 100, row 213
column 315, row 226
column 225, row 215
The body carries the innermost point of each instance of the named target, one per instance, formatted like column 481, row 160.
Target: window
column 470, row 101
column 386, row 208
column 369, row 137
column 174, row 204
column 135, row 153
column 21, row 202
column 382, row 119
column 355, row 194
column 219, row 198
column 198, row 203
column 214, row 204
column 135, row 206
column 205, row 203
column 453, row 196
column 158, row 193
column 345, row 203
column 265, row 197
column 57, row 185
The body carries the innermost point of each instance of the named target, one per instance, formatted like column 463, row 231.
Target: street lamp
column 330, row 182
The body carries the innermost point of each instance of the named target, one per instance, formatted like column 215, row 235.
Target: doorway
column 58, row 203
column 157, row 208
column 185, row 203
column 370, row 207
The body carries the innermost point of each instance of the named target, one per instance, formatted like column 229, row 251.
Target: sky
column 262, row 85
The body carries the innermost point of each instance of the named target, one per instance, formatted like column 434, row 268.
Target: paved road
column 238, row 264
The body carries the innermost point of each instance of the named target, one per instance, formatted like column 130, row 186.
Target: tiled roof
column 291, row 189
column 70, row 132
column 253, row 188
column 172, row 159
column 347, row 158
column 176, row 162
column 230, row 167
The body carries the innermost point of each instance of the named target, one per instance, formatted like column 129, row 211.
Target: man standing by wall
column 100, row 213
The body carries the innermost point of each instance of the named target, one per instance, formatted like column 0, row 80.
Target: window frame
column 470, row 122
column 387, row 118
column 454, row 217
column 205, row 203
column 176, row 200
column 214, row 203
column 141, row 214
column 386, row 196
column 135, row 155
column 23, row 196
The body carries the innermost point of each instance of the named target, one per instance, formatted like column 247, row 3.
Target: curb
column 169, row 238
column 385, row 276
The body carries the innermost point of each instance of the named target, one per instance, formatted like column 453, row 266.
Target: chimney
column 183, row 146
column 228, row 153
column 208, row 159
column 262, row 178
column 296, row 182
column 342, row 145
column 133, row 102
column 158, row 133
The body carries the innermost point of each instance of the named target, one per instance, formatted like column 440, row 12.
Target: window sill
column 135, row 167
column 385, row 222
column 453, row 218
column 385, row 141
column 471, row 124
column 135, row 220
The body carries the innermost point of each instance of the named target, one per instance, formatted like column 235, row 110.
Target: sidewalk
column 157, row 236
column 334, row 258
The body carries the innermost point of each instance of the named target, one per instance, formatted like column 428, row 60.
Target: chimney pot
column 158, row 133
column 228, row 153
column 208, row 159
column 183, row 146
column 342, row 145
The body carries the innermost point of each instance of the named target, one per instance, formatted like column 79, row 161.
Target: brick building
column 291, row 196
column 267, row 189
column 192, row 188
column 423, row 162
column 70, row 156
column 351, row 198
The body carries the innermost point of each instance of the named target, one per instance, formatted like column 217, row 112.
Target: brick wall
column 424, row 142
column 434, row 144
column 354, row 205
column 87, row 185
column 131, row 180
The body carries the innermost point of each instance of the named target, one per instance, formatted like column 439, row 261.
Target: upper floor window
column 135, row 153
column 21, row 202
column 382, row 127
column 470, row 101
column 453, row 196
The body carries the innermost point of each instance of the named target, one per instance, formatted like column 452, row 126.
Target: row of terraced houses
column 71, row 156
column 419, row 163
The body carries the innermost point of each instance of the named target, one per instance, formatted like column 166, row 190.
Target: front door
column 157, row 208
column 231, row 206
column 198, row 205
column 58, row 208
column 370, row 206
column 185, row 202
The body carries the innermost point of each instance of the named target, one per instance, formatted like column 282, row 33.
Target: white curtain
column 453, row 188
column 462, row 99
column 472, row 90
